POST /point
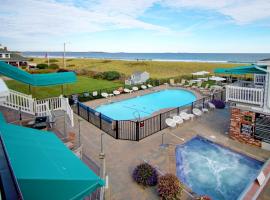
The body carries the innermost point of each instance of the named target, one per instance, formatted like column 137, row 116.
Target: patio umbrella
column 217, row 78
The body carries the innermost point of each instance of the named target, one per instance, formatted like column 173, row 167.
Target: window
column 7, row 55
column 1, row 55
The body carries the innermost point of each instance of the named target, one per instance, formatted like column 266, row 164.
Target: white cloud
column 23, row 18
column 240, row 11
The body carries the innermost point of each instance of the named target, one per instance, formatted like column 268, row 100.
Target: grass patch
column 83, row 84
column 157, row 69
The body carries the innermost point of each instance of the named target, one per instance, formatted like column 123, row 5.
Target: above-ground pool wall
column 242, row 126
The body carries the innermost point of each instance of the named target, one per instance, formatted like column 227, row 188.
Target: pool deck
column 122, row 156
column 98, row 102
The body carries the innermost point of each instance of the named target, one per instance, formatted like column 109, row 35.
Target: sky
column 214, row 26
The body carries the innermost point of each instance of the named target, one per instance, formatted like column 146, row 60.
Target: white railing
column 27, row 104
column 245, row 95
column 66, row 107
column 19, row 101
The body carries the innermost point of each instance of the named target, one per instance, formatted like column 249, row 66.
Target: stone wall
column 240, row 128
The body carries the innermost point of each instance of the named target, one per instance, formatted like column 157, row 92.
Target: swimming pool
column 146, row 105
column 210, row 169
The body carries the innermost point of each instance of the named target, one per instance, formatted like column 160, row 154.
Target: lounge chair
column 184, row 116
column 197, row 112
column 170, row 122
column 178, row 119
column 135, row 88
column 172, row 82
column 95, row 93
column 149, row 86
column 126, row 90
column 183, row 81
column 104, row 94
column 116, row 92
column 86, row 94
column 143, row 87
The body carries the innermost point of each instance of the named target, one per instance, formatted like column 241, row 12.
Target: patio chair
column 211, row 105
column 170, row 122
column 95, row 93
column 104, row 94
column 40, row 122
column 86, row 94
column 172, row 82
column 197, row 112
column 116, row 92
column 178, row 120
column 149, row 86
column 143, row 87
column 183, row 81
column 126, row 90
column 184, row 116
column 135, row 88
column 205, row 110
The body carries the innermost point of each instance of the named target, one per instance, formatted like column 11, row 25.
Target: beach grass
column 157, row 69
column 84, row 84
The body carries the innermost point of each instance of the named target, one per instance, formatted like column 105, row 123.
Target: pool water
column 146, row 105
column 210, row 169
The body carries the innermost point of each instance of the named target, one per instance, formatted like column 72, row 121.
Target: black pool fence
column 135, row 130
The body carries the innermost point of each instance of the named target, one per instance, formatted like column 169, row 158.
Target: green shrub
column 169, row 187
column 23, row 67
column 111, row 75
column 98, row 75
column 71, row 65
column 41, row 71
column 31, row 59
column 53, row 66
column 42, row 66
column 52, row 60
column 68, row 60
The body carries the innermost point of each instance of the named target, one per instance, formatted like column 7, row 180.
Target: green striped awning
column 44, row 167
column 37, row 79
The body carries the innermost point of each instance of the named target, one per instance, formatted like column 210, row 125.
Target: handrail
column 245, row 94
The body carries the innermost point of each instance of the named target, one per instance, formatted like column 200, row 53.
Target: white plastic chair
column 197, row 112
column 95, row 93
column 104, row 94
column 184, row 116
column 135, row 88
column 178, row 119
column 143, row 87
column 116, row 92
column 211, row 105
column 170, row 122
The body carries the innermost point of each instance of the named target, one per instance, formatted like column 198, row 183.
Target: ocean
column 183, row 57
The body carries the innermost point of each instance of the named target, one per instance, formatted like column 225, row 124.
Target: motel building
column 13, row 58
column 250, row 104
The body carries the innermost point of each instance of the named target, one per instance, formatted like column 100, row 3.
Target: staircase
column 262, row 130
column 45, row 107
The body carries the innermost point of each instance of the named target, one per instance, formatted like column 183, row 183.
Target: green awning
column 250, row 69
column 44, row 167
column 37, row 79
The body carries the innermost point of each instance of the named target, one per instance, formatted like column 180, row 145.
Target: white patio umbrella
column 217, row 78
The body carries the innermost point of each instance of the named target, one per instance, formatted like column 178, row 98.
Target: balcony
column 245, row 92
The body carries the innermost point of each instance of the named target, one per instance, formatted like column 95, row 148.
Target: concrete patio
column 123, row 156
